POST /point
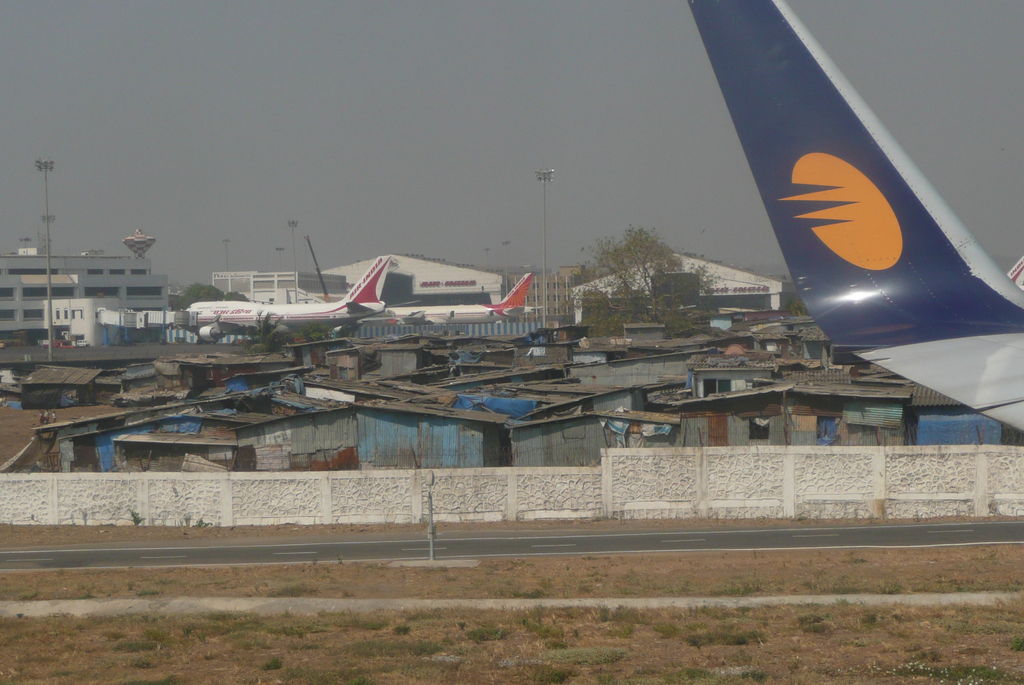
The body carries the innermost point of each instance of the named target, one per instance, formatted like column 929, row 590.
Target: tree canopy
column 639, row 278
column 201, row 292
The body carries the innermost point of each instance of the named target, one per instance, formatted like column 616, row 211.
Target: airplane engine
column 211, row 333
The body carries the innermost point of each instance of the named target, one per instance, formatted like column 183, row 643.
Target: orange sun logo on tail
column 860, row 226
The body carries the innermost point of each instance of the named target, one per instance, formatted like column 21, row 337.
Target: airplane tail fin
column 874, row 252
column 368, row 288
column 1016, row 273
column 516, row 297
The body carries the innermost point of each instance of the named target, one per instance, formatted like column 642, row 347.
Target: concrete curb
column 310, row 605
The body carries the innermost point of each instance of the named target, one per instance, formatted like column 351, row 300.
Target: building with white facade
column 127, row 281
column 416, row 280
column 279, row 287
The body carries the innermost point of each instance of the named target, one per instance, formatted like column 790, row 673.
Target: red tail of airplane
column 369, row 287
column 516, row 298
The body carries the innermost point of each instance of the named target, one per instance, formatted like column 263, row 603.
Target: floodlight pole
column 46, row 166
column 545, row 176
column 293, row 224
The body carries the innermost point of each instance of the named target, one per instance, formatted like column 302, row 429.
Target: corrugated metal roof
column 644, row 416
column 177, row 438
column 60, row 375
column 460, row 414
column 926, row 397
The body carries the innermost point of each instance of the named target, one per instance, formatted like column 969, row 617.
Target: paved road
column 511, row 544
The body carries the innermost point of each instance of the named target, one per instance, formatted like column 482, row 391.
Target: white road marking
column 170, row 556
column 818, row 535
column 291, row 553
column 686, row 540
column 420, row 549
column 958, row 530
column 18, row 560
column 566, row 545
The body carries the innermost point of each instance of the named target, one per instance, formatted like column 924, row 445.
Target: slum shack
column 578, row 440
column 51, row 387
column 406, row 436
column 796, row 414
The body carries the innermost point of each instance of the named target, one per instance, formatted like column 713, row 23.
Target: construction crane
column 323, row 284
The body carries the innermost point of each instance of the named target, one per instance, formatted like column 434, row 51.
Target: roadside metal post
column 431, row 532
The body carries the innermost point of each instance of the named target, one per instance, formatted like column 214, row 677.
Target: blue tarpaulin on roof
column 236, row 384
column 954, row 427
column 180, row 423
column 509, row 406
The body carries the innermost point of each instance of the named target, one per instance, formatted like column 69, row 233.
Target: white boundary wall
column 714, row 482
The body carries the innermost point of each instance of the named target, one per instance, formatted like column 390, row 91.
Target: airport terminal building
column 129, row 282
column 416, row 280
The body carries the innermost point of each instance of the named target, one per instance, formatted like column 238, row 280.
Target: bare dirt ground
column 17, row 425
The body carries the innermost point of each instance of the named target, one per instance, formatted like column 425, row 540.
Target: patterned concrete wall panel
column 650, row 511
column 185, row 502
column 658, row 478
column 97, row 501
column 1007, row 507
column 733, row 512
column 836, row 472
column 825, row 509
column 470, row 497
column 566, row 495
column 24, row 500
column 744, row 474
column 909, row 509
column 371, row 499
column 1005, row 473
column 268, row 500
column 949, row 469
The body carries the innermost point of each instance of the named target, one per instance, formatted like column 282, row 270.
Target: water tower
column 139, row 243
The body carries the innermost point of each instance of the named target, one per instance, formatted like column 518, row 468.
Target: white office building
column 127, row 281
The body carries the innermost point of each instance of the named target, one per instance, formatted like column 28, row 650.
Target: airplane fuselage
column 249, row 314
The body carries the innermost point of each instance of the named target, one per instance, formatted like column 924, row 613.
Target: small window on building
column 63, row 291
column 32, row 314
column 7, row 314
column 116, row 272
column 759, row 428
column 713, row 385
column 77, row 314
column 6, row 293
column 27, row 271
column 94, row 272
column 102, row 291
column 31, row 293
column 140, row 272
column 145, row 291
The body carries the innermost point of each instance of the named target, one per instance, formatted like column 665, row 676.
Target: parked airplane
column 881, row 262
column 513, row 305
column 214, row 320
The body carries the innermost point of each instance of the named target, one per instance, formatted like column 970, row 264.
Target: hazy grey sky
column 416, row 126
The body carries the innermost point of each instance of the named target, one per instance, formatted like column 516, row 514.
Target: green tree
column 201, row 292
column 641, row 279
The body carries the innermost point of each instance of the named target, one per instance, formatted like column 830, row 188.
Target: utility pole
column 293, row 224
column 545, row 176
column 46, row 166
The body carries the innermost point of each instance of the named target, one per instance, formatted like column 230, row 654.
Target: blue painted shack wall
column 391, row 439
column 955, row 426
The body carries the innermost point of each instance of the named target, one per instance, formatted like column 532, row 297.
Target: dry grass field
column 801, row 645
